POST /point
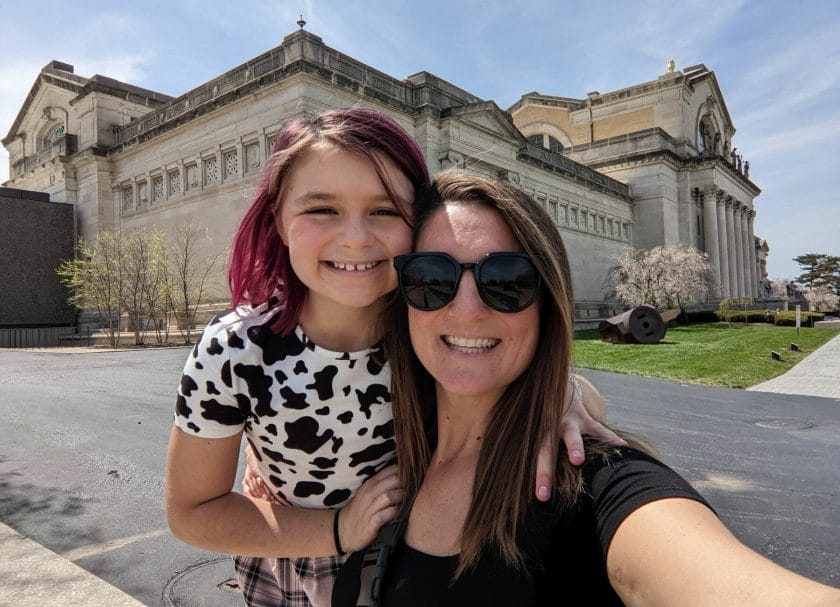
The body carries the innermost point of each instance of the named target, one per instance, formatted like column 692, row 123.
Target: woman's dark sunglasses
column 506, row 282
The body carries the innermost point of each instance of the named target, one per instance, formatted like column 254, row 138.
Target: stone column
column 751, row 247
column 723, row 240
column 741, row 226
column 739, row 247
column 732, row 247
column 711, row 236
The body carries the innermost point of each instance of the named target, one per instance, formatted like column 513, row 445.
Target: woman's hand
column 376, row 503
column 252, row 483
column 585, row 414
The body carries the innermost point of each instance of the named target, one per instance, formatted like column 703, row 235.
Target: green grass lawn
column 715, row 354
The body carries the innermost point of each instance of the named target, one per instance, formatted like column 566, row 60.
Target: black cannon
column 641, row 325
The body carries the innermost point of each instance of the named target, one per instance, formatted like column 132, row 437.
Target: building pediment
column 55, row 85
column 488, row 117
column 697, row 74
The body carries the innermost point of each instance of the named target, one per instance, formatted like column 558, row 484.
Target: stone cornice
column 116, row 88
column 548, row 100
column 300, row 53
column 719, row 162
column 557, row 163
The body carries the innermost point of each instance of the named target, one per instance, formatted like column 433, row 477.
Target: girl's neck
column 339, row 328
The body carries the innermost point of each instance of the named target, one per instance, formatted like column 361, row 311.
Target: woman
column 490, row 321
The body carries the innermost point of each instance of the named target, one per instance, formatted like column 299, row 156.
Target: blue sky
column 778, row 64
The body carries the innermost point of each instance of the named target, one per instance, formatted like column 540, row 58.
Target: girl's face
column 341, row 228
column 470, row 349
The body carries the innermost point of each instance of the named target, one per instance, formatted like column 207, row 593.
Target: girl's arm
column 586, row 413
column 203, row 510
column 676, row 552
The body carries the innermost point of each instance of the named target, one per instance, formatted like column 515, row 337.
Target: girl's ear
column 278, row 225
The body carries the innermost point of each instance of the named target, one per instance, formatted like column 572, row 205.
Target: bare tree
column 95, row 280
column 670, row 276
column 137, row 259
column 156, row 286
column 189, row 276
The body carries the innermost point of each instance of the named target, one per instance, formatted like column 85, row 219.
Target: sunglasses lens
column 428, row 282
column 508, row 283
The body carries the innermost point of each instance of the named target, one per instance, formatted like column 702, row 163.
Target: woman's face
column 470, row 349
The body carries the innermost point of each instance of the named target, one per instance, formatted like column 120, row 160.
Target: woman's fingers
column 546, row 457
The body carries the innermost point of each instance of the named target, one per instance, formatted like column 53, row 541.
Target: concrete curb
column 34, row 576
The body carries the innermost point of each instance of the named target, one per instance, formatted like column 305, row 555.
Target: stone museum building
column 652, row 164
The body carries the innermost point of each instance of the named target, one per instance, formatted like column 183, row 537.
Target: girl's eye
column 321, row 211
column 390, row 212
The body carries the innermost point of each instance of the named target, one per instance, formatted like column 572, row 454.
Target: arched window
column 547, row 142
column 536, row 139
column 54, row 134
column 707, row 137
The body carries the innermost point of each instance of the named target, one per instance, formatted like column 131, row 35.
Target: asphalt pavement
column 33, row 575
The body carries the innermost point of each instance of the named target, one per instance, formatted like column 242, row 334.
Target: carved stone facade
column 134, row 158
column 670, row 141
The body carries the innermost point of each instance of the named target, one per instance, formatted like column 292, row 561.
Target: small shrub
column 788, row 319
column 738, row 316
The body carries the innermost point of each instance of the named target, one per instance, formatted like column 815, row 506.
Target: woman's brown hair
column 528, row 409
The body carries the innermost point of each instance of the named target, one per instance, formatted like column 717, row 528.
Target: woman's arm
column 677, row 552
column 203, row 510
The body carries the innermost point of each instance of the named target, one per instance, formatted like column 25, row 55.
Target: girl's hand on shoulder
column 376, row 503
column 585, row 414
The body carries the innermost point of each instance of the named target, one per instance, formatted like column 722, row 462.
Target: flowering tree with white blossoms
column 821, row 298
column 669, row 276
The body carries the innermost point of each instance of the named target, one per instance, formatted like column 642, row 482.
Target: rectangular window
column 211, row 170
column 174, row 178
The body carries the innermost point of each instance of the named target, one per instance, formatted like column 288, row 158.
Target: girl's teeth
column 353, row 267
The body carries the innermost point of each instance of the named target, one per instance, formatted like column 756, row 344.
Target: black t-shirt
column 565, row 547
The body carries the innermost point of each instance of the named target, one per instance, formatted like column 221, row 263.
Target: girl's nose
column 355, row 232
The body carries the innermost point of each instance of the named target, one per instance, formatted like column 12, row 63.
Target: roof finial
column 671, row 66
column 301, row 22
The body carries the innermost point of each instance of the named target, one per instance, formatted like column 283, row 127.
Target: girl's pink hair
column 259, row 266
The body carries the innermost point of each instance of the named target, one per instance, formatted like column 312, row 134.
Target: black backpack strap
column 377, row 555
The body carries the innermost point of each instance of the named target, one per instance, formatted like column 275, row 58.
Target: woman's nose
column 467, row 302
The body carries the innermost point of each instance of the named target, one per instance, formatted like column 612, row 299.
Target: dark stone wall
column 35, row 235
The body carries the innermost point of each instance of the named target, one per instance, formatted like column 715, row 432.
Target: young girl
column 297, row 367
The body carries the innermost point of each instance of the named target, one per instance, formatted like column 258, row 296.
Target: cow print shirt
column 319, row 421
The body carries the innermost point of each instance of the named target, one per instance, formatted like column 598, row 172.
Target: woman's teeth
column 465, row 344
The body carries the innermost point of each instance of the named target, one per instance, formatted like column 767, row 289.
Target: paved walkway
column 818, row 374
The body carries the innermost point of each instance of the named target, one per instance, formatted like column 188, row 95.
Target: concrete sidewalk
column 33, row 576
column 818, row 374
